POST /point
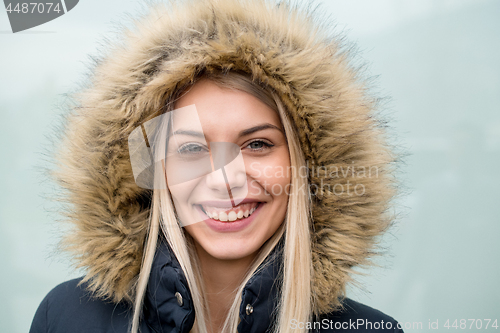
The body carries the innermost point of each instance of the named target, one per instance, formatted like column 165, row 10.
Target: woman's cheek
column 253, row 168
column 183, row 191
column 274, row 180
column 255, row 189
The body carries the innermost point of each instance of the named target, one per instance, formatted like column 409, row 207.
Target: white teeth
column 231, row 216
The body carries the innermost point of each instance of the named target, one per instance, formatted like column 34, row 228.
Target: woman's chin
column 230, row 249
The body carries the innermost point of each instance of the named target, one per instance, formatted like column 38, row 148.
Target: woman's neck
column 221, row 280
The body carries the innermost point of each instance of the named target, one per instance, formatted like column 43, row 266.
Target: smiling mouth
column 229, row 215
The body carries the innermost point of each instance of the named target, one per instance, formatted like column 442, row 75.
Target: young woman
column 225, row 174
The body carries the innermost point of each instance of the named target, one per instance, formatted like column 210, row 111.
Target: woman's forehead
column 222, row 108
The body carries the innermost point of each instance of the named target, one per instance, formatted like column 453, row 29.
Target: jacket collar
column 168, row 305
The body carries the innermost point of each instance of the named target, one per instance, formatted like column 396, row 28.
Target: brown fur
column 280, row 47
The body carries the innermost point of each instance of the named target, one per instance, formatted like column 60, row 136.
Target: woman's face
column 230, row 212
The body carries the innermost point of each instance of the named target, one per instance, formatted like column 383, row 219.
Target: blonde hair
column 295, row 302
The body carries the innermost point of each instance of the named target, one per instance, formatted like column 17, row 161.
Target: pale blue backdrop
column 437, row 59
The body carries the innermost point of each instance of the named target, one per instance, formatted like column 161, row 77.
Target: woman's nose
column 229, row 175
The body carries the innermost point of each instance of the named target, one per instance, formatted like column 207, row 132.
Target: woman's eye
column 191, row 148
column 259, row 145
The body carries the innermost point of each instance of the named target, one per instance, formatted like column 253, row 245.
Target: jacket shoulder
column 357, row 317
column 69, row 307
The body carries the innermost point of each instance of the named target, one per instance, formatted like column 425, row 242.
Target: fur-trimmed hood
column 280, row 46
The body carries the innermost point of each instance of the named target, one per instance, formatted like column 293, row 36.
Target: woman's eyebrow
column 257, row 128
column 190, row 133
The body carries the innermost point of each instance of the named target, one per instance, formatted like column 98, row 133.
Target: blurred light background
column 437, row 59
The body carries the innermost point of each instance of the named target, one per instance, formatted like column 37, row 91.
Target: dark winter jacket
column 287, row 50
column 168, row 306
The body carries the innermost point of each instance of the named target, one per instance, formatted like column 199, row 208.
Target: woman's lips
column 232, row 226
column 229, row 215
